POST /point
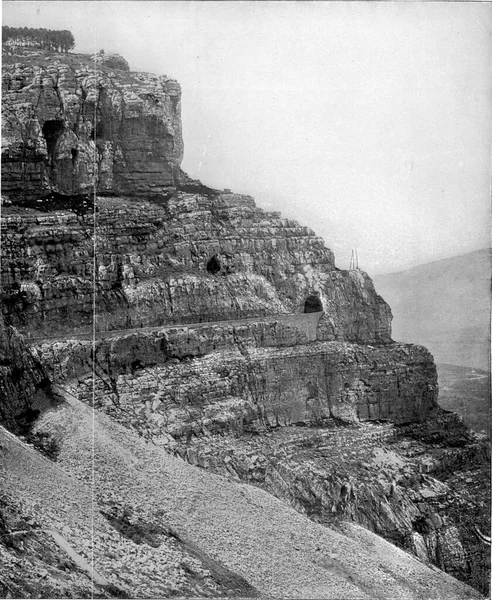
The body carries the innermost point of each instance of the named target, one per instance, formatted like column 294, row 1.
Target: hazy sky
column 369, row 122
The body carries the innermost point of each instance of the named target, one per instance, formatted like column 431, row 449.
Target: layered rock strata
column 70, row 126
column 152, row 268
column 233, row 320
column 206, row 378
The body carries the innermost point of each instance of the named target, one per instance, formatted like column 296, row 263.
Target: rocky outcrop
column 423, row 487
column 24, row 385
column 70, row 125
column 168, row 383
column 153, row 267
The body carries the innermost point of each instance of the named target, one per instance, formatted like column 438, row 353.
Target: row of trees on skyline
column 56, row 40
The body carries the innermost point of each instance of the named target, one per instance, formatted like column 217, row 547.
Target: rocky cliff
column 69, row 128
column 248, row 376
column 191, row 257
column 201, row 323
column 24, row 384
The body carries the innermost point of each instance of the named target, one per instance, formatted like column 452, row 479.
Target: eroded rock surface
column 69, row 125
column 24, row 384
column 151, row 268
column 203, row 380
column 423, row 487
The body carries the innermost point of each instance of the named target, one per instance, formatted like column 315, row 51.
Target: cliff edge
column 69, row 127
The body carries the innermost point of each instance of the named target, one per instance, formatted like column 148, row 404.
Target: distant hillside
column 444, row 305
column 466, row 391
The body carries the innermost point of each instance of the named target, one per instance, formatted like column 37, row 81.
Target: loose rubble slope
column 278, row 551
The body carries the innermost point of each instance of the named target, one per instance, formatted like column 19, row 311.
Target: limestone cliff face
column 68, row 125
column 153, row 267
column 210, row 379
column 191, row 255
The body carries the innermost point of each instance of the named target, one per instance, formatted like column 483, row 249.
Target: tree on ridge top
column 56, row 40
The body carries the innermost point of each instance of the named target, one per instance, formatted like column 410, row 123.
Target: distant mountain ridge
column 444, row 305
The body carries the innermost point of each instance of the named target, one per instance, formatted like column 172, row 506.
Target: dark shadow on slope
column 39, row 568
column 153, row 534
column 234, row 583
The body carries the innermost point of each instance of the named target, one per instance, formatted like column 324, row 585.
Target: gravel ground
column 278, row 551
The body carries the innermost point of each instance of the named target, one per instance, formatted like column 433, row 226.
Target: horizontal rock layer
column 153, row 267
column 208, row 378
column 69, row 126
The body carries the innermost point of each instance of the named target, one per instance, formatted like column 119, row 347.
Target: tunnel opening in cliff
column 51, row 131
column 313, row 304
column 213, row 265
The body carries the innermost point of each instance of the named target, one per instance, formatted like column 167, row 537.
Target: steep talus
column 278, row 551
column 54, row 532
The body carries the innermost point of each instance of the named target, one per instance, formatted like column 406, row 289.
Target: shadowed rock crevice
column 213, row 265
column 52, row 131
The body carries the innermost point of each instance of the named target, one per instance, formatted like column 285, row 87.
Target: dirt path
column 103, row 335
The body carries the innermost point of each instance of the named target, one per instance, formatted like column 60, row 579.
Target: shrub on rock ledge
column 112, row 60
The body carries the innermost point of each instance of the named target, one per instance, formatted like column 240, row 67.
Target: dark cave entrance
column 51, row 132
column 213, row 265
column 313, row 304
